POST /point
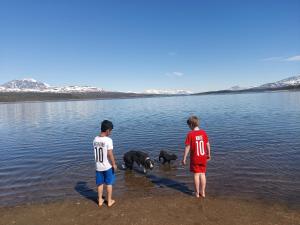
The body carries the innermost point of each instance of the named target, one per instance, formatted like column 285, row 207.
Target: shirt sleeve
column 110, row 144
column 188, row 139
column 206, row 136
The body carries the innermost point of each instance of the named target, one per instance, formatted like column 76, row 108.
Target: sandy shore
column 173, row 209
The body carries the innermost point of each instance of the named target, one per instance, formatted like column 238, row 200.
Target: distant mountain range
column 32, row 85
column 30, row 89
column 290, row 83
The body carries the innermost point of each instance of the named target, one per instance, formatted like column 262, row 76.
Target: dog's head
column 174, row 157
column 162, row 153
column 149, row 164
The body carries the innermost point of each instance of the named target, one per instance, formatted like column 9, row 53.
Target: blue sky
column 138, row 45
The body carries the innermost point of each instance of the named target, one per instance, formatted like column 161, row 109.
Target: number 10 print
column 99, row 154
column 200, row 148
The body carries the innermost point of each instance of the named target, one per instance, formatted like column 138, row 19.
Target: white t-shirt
column 101, row 147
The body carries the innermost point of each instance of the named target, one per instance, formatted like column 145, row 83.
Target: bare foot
column 100, row 202
column 196, row 195
column 111, row 203
column 203, row 195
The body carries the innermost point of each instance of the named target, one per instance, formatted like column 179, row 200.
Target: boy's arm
column 186, row 152
column 208, row 151
column 112, row 159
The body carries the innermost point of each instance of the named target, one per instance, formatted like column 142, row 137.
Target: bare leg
column 110, row 201
column 100, row 194
column 197, row 184
column 203, row 184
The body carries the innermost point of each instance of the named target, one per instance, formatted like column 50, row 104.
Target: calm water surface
column 46, row 147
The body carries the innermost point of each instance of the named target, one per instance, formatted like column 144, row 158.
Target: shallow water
column 46, row 147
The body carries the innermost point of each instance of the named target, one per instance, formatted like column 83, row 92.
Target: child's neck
column 103, row 134
column 196, row 128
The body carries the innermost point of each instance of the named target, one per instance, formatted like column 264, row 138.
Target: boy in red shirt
column 197, row 143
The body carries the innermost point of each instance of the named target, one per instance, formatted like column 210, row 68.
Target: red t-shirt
column 197, row 140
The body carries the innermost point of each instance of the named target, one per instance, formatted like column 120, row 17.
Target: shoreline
column 18, row 97
column 152, row 209
column 156, row 192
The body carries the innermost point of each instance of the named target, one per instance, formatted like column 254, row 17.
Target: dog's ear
column 151, row 164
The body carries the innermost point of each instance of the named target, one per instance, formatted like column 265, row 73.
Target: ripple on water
column 46, row 147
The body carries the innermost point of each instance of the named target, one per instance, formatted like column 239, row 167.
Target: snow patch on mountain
column 67, row 89
column 167, row 92
column 236, row 88
column 239, row 88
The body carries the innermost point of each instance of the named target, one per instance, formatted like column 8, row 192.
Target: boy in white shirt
column 105, row 162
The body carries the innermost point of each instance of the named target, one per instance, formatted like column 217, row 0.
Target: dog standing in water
column 142, row 159
column 166, row 157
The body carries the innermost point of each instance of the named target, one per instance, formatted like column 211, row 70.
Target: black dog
column 166, row 156
column 140, row 158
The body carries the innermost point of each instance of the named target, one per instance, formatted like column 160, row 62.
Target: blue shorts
column 105, row 177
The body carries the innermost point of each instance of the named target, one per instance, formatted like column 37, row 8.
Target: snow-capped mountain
column 237, row 88
column 27, row 83
column 31, row 85
column 291, row 81
column 167, row 92
column 67, row 89
column 288, row 82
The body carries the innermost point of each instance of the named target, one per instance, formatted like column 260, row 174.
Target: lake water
column 46, row 147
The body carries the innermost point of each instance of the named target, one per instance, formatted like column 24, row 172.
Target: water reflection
column 46, row 146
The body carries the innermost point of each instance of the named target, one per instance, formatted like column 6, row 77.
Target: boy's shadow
column 82, row 188
column 166, row 182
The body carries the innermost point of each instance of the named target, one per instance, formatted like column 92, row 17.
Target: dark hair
column 193, row 121
column 106, row 125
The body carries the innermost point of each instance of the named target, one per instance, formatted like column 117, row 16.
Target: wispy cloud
column 273, row 59
column 174, row 74
column 295, row 58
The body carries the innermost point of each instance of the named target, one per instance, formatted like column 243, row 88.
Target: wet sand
column 172, row 209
